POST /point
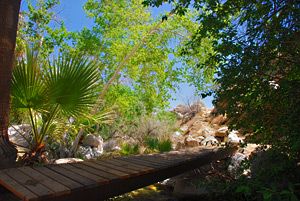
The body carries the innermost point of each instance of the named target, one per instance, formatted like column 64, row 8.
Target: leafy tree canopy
column 155, row 68
column 256, row 47
column 119, row 26
column 39, row 24
column 256, row 56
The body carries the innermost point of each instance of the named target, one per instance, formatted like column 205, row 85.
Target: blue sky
column 71, row 12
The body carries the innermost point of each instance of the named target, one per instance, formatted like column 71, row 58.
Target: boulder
column 181, row 109
column 191, row 142
column 207, row 132
column 176, row 136
column 92, row 146
column 210, row 140
column 93, row 141
column 187, row 117
column 233, row 138
column 179, row 145
column 179, row 115
column 109, row 145
column 219, row 120
column 235, row 163
column 200, row 138
column 184, row 128
column 221, row 132
column 89, row 152
column 15, row 137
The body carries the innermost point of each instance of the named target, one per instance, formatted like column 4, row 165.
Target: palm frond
column 72, row 81
column 27, row 88
column 105, row 116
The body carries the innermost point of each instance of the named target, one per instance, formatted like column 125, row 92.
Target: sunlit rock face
column 15, row 133
column 92, row 146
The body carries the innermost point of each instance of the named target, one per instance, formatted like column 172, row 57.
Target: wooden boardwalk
column 101, row 179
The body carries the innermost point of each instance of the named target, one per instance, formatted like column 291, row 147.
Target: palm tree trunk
column 9, row 14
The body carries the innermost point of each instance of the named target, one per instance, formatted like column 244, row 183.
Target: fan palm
column 64, row 86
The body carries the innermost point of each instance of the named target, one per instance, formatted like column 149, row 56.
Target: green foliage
column 155, row 144
column 145, row 126
column 128, row 150
column 128, row 101
column 256, row 49
column 165, row 145
column 152, row 143
column 38, row 26
column 65, row 89
column 152, row 71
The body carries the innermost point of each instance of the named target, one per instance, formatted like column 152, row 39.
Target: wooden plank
column 137, row 162
column 154, row 159
column 148, row 168
column 142, row 162
column 164, row 160
column 176, row 158
column 88, row 183
column 16, row 188
column 172, row 158
column 90, row 168
column 31, row 184
column 188, row 155
column 87, row 177
column 106, row 170
column 161, row 164
column 71, row 184
column 121, row 168
column 58, row 188
column 132, row 166
column 180, row 155
column 94, row 177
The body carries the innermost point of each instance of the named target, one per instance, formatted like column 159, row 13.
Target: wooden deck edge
column 130, row 184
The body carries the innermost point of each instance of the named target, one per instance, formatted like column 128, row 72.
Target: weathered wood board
column 96, row 180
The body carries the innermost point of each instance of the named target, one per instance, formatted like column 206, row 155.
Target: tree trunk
column 9, row 14
column 155, row 28
column 75, row 147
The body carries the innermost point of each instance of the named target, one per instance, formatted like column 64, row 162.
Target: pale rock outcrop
column 177, row 140
column 210, row 140
column 93, row 141
column 235, row 163
column 92, row 146
column 184, row 128
column 200, row 138
column 15, row 137
column 221, row 132
column 110, row 145
column 191, row 142
column 89, row 152
column 233, row 138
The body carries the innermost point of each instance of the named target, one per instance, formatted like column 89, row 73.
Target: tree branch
column 127, row 57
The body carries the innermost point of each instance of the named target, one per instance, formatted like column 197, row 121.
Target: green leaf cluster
column 256, row 59
column 157, row 66
column 38, row 26
column 62, row 87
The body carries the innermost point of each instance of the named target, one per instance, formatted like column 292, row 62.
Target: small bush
column 156, row 145
column 152, row 143
column 165, row 145
column 128, row 149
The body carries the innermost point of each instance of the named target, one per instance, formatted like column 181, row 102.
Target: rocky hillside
column 199, row 127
